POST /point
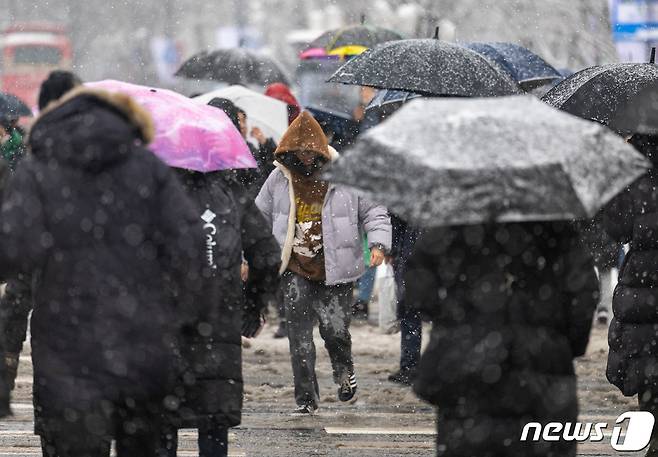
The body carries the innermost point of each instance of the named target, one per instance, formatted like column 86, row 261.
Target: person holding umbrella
column 631, row 218
column 16, row 302
column 382, row 106
column 211, row 387
column 252, row 179
column 319, row 227
column 499, row 268
column 204, row 147
column 116, row 243
column 516, row 304
column 12, row 147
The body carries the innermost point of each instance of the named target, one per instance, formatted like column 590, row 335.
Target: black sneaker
column 282, row 331
column 305, row 410
column 405, row 377
column 602, row 316
column 360, row 310
column 347, row 389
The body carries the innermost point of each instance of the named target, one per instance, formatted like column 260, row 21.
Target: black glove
column 252, row 324
column 11, row 364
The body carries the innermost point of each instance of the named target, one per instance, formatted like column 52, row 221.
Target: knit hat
column 304, row 134
column 59, row 82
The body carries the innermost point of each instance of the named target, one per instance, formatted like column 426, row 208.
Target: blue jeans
column 365, row 284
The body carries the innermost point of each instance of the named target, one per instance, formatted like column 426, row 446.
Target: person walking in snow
column 16, row 303
column 251, row 178
column 117, row 247
column 632, row 218
column 511, row 306
column 320, row 229
column 211, row 387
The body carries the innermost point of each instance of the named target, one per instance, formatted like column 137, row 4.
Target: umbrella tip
column 436, row 32
column 363, row 18
column 653, row 56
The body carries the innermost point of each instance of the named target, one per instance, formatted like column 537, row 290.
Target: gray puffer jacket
column 345, row 216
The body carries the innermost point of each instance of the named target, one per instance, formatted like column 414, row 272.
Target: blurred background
column 145, row 41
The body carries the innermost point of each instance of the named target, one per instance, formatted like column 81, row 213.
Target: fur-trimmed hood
column 124, row 104
column 90, row 128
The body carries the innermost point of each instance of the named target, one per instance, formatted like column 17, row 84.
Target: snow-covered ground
column 387, row 420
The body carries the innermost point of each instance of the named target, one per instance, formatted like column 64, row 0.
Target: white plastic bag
column 387, row 302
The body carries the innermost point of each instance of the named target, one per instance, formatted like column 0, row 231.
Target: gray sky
column 114, row 38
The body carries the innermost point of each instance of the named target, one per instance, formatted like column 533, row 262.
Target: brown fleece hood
column 304, row 134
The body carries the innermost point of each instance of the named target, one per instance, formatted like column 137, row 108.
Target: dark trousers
column 15, row 307
column 135, row 437
column 411, row 325
column 307, row 302
column 80, row 416
column 213, row 442
column 50, row 448
column 648, row 401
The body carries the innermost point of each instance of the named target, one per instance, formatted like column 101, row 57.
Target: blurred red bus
column 29, row 52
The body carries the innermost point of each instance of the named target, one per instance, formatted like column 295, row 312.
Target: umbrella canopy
column 526, row 67
column 429, row 67
column 622, row 96
column 233, row 66
column 470, row 161
column 188, row 135
column 267, row 113
column 387, row 96
column 348, row 41
column 13, row 107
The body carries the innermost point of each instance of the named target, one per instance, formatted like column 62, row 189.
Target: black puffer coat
column 116, row 244
column 632, row 217
column 511, row 306
column 212, row 350
column 604, row 249
column 6, row 375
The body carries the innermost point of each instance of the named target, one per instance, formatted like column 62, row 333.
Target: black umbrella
column 526, row 67
column 367, row 36
column 429, row 67
column 471, row 161
column 622, row 96
column 233, row 66
column 13, row 107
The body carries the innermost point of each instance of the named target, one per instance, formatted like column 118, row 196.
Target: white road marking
column 378, row 431
column 37, row 452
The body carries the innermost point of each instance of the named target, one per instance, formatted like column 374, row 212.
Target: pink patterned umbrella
column 188, row 135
